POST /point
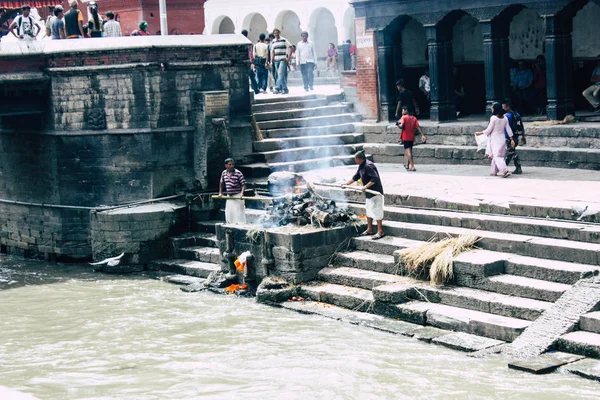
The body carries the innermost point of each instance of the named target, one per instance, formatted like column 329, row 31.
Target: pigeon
column 111, row 262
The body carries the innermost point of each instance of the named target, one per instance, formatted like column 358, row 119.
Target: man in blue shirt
column 516, row 125
column 522, row 83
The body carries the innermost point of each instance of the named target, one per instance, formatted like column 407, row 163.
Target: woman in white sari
column 496, row 131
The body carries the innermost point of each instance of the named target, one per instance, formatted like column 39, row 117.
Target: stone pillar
column 440, row 71
column 384, row 67
column 559, row 67
column 496, row 62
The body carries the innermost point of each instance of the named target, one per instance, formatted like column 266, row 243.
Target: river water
column 69, row 333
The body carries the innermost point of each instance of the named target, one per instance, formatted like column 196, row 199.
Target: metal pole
column 162, row 5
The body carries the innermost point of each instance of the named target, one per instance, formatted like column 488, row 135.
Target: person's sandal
column 506, row 174
column 365, row 233
column 377, row 236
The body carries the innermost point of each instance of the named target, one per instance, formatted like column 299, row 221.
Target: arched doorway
column 322, row 30
column 223, row 25
column 349, row 29
column 586, row 47
column 469, row 70
column 288, row 23
column 414, row 60
column 255, row 24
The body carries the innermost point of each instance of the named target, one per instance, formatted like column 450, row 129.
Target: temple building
column 478, row 45
column 327, row 21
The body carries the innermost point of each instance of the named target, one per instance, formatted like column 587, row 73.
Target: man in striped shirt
column 280, row 57
column 235, row 184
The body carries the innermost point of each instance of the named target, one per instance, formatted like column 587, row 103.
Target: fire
column 299, row 182
column 231, row 289
column 363, row 217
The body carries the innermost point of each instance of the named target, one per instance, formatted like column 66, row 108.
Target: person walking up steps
column 495, row 130
column 516, row 124
column 408, row 124
column 307, row 60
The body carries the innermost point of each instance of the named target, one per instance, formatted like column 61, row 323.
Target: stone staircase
column 523, row 265
column 303, row 133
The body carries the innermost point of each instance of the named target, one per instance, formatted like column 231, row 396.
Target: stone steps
column 258, row 170
column 363, row 260
column 206, row 226
column 186, row 267
column 310, row 101
column 321, row 111
column 526, row 287
column 321, row 80
column 386, row 245
column 287, row 99
column 590, row 322
column 321, row 130
column 557, row 157
column 194, row 239
column 309, row 121
column 532, row 246
column 459, row 319
column 305, row 141
column 580, row 342
column 347, row 297
column 498, row 223
column 550, row 270
column 359, row 278
column 315, row 151
column 199, row 253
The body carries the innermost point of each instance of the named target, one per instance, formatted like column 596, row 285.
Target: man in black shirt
column 406, row 99
column 369, row 177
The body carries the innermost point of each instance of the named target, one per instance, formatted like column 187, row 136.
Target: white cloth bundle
column 483, row 142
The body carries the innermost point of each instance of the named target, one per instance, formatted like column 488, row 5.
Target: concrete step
column 526, row 287
column 550, row 270
column 360, row 278
column 347, row 297
column 194, row 239
column 199, row 253
column 590, row 322
column 462, row 320
column 295, row 82
column 497, row 223
column 580, row 342
column 286, row 99
column 310, row 152
column 386, row 245
column 556, row 157
column 186, row 267
column 366, row 261
column 258, row 170
column 310, row 121
column 206, row 226
column 288, row 104
column 532, row 246
column 321, row 130
column 297, row 142
column 327, row 110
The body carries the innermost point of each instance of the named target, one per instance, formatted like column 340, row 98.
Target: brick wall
column 366, row 73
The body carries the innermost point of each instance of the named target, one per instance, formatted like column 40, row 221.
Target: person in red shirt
column 408, row 124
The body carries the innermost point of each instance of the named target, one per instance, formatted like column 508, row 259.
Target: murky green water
column 68, row 334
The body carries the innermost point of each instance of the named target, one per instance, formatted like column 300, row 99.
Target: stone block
column 466, row 342
column 545, row 363
column 588, row 368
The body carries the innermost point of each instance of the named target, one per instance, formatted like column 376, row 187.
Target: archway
column 467, row 52
column 349, row 28
column 586, row 47
column 288, row 23
column 222, row 25
column 255, row 24
column 414, row 60
column 322, row 30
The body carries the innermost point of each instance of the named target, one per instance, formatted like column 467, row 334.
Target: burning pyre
column 300, row 204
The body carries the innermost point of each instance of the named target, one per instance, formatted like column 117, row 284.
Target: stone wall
column 125, row 121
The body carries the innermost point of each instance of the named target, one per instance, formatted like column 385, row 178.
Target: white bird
column 111, row 262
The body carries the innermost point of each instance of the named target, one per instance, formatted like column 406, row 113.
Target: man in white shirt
column 425, row 83
column 306, row 58
column 592, row 94
column 112, row 28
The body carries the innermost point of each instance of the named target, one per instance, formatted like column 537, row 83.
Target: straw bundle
column 567, row 120
column 438, row 255
column 258, row 136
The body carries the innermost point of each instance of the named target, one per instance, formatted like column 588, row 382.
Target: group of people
column 70, row 25
column 273, row 56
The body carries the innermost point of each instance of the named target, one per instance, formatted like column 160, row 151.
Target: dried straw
column 437, row 254
column 258, row 136
column 567, row 120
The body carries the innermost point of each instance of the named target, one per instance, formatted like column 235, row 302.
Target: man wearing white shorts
column 368, row 175
column 234, row 183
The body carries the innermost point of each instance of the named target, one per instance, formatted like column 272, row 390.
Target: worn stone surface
column 428, row 333
column 347, row 297
column 580, row 342
column 183, row 280
column 557, row 320
column 545, row 363
column 466, row 342
column 588, row 368
column 590, row 322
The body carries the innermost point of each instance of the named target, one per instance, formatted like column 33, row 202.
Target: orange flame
column 363, row 217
